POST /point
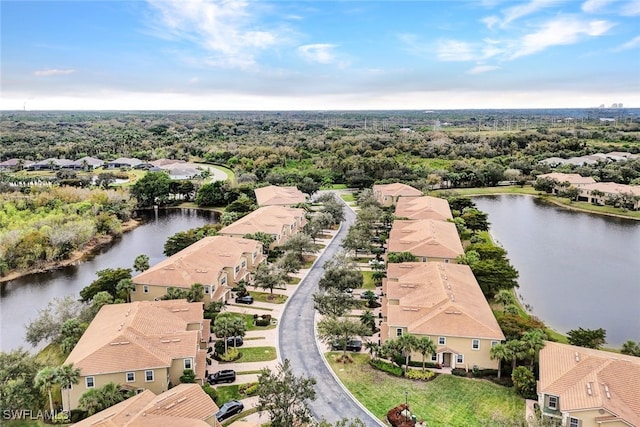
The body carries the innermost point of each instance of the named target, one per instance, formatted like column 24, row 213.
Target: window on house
column 244, row 263
column 494, row 343
column 90, row 382
column 145, row 289
column 434, row 357
column 446, row 261
column 131, row 377
column 424, row 259
column 148, row 376
column 206, row 289
column 133, row 289
column 237, row 269
column 553, row 402
column 574, row 422
column 442, row 340
column 187, row 363
column 475, row 344
column 398, row 332
column 460, row 358
column 223, row 280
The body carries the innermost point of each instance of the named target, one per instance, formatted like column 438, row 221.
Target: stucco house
column 279, row 196
column 15, row 164
column 184, row 405
column 87, row 162
column 140, row 345
column 280, row 222
column 123, row 162
column 583, row 387
column 599, row 192
column 216, row 262
column 571, row 179
column 427, row 239
column 423, row 207
column 444, row 302
column 388, row 194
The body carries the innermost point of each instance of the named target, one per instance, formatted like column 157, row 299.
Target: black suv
column 224, row 376
column 247, row 299
column 235, row 341
column 230, row 408
column 353, row 345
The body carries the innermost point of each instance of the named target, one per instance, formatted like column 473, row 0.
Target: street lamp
column 406, row 404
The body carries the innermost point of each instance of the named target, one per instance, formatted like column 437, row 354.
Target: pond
column 20, row 299
column 576, row 269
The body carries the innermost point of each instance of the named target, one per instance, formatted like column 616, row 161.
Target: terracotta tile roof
column 267, row 219
column 425, row 237
column 136, row 336
column 281, row 196
column 202, row 262
column 396, row 189
column 584, row 378
column 571, row 178
column 185, row 405
column 244, row 424
column 438, row 298
column 425, row 207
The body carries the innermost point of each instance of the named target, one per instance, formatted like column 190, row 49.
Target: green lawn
column 268, row 297
column 293, row 280
column 348, row 197
column 255, row 354
column 368, row 282
column 248, row 318
column 446, row 401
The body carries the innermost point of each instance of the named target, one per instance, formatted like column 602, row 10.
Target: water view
column 576, row 269
column 21, row 299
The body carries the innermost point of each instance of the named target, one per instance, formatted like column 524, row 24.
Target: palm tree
column 196, row 293
column 532, row 342
column 44, row 380
column 373, row 349
column 368, row 319
column 501, row 352
column 505, row 297
column 424, row 346
column 406, row 344
column 141, row 263
column 66, row 376
column 124, row 288
column 517, row 352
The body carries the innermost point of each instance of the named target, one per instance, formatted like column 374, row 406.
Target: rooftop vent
column 606, row 391
column 577, row 356
column 589, row 391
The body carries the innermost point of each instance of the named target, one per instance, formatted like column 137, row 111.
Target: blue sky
column 310, row 55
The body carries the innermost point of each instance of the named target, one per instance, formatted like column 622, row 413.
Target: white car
column 374, row 261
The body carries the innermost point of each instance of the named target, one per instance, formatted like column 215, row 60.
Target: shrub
column 249, row 389
column 485, row 373
column 459, row 372
column 386, row 367
column 231, row 355
column 262, row 322
column 524, row 382
column 213, row 394
column 418, row 364
column 414, row 374
column 78, row 415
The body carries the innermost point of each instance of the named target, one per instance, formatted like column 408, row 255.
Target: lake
column 20, row 299
column 576, row 269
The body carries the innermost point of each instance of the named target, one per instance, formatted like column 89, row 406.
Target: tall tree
column 424, row 346
column 532, row 343
column 334, row 302
column 152, row 188
column 107, row 281
column 284, row 396
column 124, row 289
column 141, row 263
column 631, row 348
column 228, row 325
column 67, row 376
column 590, row 338
column 406, row 343
column 501, row 352
column 340, row 330
column 47, row 326
column 269, row 276
column 299, row 243
column 18, row 369
column 45, row 379
column 99, row 399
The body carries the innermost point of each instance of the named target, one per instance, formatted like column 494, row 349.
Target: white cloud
column 631, row 8
column 594, row 6
column 491, row 21
column 321, row 53
column 454, row 50
column 194, row 80
column 631, row 44
column 560, row 31
column 53, row 72
column 479, row 69
column 225, row 28
column 515, row 12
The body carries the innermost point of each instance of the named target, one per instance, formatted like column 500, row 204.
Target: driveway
column 297, row 342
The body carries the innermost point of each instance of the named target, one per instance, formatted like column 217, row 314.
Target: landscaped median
column 445, row 401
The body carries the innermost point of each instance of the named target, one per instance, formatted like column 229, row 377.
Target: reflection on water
column 576, row 269
column 22, row 298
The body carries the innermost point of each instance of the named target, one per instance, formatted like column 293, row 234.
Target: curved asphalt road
column 297, row 342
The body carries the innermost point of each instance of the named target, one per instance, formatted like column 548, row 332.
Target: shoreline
column 77, row 256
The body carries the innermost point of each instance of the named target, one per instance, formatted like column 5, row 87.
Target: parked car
column 235, row 341
column 247, row 299
column 368, row 294
column 223, row 376
column 374, row 261
column 229, row 409
column 353, row 345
